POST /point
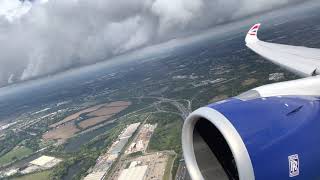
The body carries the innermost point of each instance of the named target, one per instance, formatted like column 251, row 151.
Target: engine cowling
column 261, row 138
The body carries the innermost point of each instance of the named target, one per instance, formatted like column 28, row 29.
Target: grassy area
column 168, row 107
column 43, row 175
column 16, row 153
column 135, row 154
column 167, row 135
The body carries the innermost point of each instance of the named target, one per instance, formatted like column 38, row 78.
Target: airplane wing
column 302, row 61
column 236, row 138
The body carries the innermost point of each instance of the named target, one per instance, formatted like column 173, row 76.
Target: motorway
column 182, row 172
column 185, row 111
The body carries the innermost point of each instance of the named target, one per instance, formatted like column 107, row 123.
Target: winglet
column 252, row 34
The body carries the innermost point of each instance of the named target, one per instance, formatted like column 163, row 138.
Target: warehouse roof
column 136, row 173
column 41, row 161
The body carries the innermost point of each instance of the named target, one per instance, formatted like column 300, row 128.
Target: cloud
column 12, row 10
column 177, row 13
column 48, row 37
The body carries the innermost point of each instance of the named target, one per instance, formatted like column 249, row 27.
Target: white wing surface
column 302, row 61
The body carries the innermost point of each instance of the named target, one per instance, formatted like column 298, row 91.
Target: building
column 105, row 161
column 136, row 173
column 95, row 176
column 46, row 161
column 276, row 76
column 41, row 163
column 129, row 131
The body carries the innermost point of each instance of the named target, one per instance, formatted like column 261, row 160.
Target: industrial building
column 141, row 142
column 95, row 176
column 129, row 130
column 136, row 173
column 41, row 163
column 105, row 161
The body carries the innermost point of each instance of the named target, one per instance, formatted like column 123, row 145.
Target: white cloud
column 176, row 13
column 55, row 35
column 14, row 9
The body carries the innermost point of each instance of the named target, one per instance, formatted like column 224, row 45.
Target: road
column 182, row 172
column 185, row 111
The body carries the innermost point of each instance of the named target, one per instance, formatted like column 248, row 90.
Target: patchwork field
column 93, row 121
column 61, row 133
column 92, row 116
column 76, row 115
column 108, row 110
column 249, row 82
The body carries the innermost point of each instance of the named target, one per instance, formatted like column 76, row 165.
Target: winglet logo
column 293, row 165
column 254, row 30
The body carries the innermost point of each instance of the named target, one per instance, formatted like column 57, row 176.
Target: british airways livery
column 269, row 132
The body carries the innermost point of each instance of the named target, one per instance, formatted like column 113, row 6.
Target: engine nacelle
column 263, row 138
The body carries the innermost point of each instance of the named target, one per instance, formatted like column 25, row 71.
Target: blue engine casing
column 275, row 128
column 280, row 134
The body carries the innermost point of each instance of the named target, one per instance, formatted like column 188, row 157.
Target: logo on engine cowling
column 293, row 165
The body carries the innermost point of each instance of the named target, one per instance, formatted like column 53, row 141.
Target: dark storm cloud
column 63, row 33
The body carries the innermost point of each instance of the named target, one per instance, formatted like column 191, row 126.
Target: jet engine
column 250, row 137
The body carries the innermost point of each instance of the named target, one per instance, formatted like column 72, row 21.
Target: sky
column 49, row 36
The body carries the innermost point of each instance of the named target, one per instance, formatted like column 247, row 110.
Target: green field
column 167, row 135
column 15, row 154
column 43, row 175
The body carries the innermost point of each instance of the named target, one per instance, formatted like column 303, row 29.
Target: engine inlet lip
column 228, row 131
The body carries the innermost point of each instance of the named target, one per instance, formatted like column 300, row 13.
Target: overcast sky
column 43, row 37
